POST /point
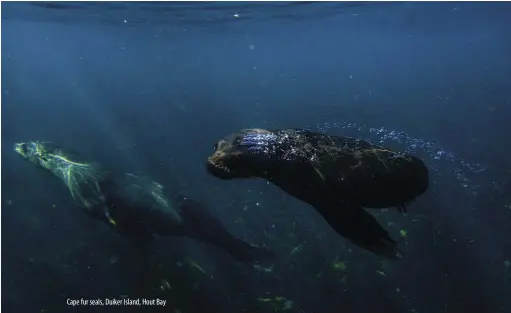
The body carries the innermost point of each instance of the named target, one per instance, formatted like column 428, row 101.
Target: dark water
column 150, row 87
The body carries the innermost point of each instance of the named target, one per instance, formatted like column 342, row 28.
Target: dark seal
column 338, row 176
column 134, row 206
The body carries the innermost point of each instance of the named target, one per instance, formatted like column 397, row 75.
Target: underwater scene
column 256, row 157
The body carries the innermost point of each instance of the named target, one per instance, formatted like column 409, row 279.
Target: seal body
column 134, row 206
column 337, row 175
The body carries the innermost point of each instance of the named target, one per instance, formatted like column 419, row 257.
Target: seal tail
column 361, row 228
column 201, row 225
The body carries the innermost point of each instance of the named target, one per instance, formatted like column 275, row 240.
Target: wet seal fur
column 134, row 206
column 338, row 176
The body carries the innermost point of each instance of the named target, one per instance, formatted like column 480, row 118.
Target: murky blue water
column 150, row 87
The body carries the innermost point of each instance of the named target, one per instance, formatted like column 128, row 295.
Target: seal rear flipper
column 201, row 225
column 362, row 229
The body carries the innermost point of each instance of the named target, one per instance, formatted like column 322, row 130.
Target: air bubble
column 438, row 154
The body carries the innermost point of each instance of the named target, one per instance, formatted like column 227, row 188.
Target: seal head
column 244, row 154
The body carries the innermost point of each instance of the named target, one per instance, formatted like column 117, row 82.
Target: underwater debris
column 164, row 285
column 278, row 303
column 297, row 249
column 195, row 265
column 403, row 233
column 381, row 273
column 113, row 259
column 339, row 265
column 288, row 304
column 264, row 299
column 418, row 217
column 263, row 269
column 292, row 233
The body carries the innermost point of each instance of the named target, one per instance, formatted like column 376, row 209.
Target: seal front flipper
column 361, row 228
column 201, row 225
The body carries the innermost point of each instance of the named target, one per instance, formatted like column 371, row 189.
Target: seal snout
column 20, row 148
column 215, row 166
column 213, row 170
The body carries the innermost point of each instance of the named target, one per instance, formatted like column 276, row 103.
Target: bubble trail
column 438, row 155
